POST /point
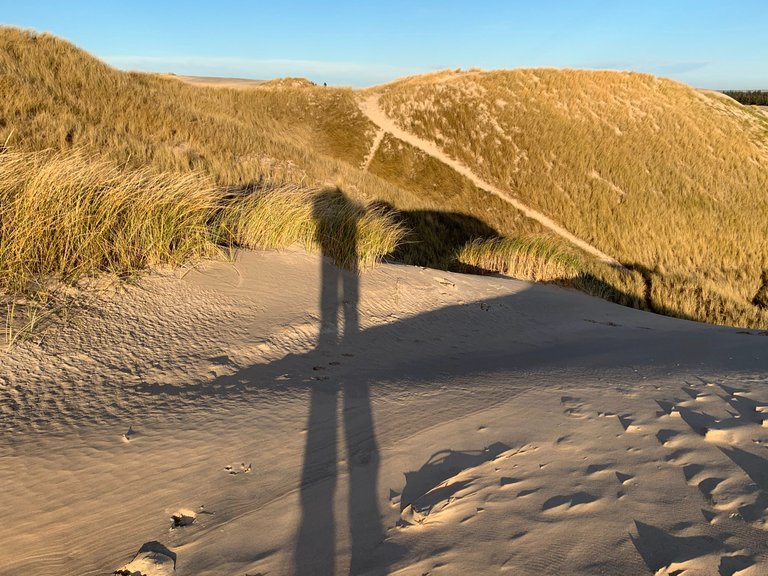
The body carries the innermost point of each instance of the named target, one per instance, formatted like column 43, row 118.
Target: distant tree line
column 759, row 97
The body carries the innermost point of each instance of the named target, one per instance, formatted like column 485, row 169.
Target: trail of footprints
column 715, row 434
column 709, row 417
column 447, row 483
column 732, row 421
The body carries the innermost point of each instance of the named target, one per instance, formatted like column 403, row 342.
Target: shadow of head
column 435, row 238
column 336, row 219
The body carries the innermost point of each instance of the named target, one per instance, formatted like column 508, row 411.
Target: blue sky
column 708, row 44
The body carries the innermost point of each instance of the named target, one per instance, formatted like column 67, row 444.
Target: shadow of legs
column 316, row 547
column 363, row 467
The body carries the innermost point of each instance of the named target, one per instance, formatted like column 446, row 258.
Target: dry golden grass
column 65, row 215
column 319, row 219
column 536, row 258
column 435, row 185
column 551, row 260
column 667, row 179
column 288, row 138
column 57, row 96
column 654, row 173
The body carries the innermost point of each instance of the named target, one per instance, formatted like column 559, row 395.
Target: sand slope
column 224, row 423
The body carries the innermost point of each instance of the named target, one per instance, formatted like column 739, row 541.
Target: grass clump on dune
column 68, row 215
column 323, row 219
column 63, row 215
column 550, row 260
column 537, row 258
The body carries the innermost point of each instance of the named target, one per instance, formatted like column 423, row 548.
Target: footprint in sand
column 627, row 422
column 129, row 435
column 152, row 559
column 595, row 468
column 606, row 323
column 182, row 518
column 524, row 493
column 662, row 551
column 665, row 435
column 243, row 469
column 623, row 478
column 573, row 406
column 568, row 501
column 733, row 565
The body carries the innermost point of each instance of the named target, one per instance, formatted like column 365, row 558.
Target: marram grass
column 324, row 220
column 64, row 215
column 537, row 258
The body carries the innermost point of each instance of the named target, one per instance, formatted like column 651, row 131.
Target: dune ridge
column 587, row 149
column 370, row 107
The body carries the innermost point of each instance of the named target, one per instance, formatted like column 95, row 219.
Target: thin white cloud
column 336, row 72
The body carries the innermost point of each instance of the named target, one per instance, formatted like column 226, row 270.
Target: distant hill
column 668, row 180
column 217, row 81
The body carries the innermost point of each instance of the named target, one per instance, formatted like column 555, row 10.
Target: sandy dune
column 370, row 107
column 417, row 422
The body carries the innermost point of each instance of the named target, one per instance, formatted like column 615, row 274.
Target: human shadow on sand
column 339, row 294
column 510, row 334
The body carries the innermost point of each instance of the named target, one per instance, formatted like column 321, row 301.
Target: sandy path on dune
column 374, row 147
column 370, row 107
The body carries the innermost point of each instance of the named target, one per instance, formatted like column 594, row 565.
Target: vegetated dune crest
column 227, row 82
column 666, row 179
column 625, row 163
